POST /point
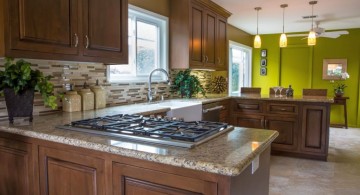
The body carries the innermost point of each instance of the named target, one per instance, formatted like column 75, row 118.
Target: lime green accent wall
column 346, row 46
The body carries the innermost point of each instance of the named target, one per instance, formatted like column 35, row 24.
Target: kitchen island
column 302, row 121
column 41, row 159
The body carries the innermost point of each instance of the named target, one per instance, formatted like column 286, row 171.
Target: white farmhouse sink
column 188, row 110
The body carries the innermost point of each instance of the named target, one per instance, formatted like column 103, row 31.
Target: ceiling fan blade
column 330, row 35
column 340, row 32
column 296, row 35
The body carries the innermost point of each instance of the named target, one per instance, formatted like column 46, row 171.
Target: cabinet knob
column 87, row 42
column 76, row 40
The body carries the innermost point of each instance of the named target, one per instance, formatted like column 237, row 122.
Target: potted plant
column 18, row 83
column 187, row 85
column 339, row 86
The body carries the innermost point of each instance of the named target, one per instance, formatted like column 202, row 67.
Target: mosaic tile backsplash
column 65, row 72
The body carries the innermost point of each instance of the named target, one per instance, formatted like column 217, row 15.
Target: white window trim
column 249, row 49
column 164, row 48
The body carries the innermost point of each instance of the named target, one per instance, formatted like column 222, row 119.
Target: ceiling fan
column 320, row 32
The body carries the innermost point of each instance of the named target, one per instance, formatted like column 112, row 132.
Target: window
column 239, row 67
column 148, row 47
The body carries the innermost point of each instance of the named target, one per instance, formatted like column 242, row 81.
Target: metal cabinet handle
column 266, row 124
column 207, row 58
column 76, row 40
column 212, row 109
column 87, row 41
column 219, row 61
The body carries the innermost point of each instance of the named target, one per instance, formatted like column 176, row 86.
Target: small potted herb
column 18, row 83
column 187, row 85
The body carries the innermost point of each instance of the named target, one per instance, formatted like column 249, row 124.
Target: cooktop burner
column 151, row 129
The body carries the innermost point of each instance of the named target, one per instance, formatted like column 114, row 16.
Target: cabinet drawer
column 248, row 106
column 282, row 108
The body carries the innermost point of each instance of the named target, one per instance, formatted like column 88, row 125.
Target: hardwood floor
column 339, row 175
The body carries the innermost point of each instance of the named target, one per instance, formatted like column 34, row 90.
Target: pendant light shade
column 312, row 38
column 283, row 38
column 257, row 39
column 312, row 34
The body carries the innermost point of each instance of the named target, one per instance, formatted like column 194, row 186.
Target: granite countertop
column 322, row 99
column 228, row 154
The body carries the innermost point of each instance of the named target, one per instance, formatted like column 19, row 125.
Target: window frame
column 162, row 22
column 248, row 78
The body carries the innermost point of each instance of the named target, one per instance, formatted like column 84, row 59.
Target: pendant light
column 312, row 34
column 257, row 40
column 283, row 38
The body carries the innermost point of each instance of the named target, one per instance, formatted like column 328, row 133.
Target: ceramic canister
column 71, row 102
column 100, row 96
column 87, row 99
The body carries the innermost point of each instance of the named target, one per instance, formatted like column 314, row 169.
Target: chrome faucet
column 150, row 97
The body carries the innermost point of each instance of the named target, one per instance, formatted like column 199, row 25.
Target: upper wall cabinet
column 78, row 30
column 198, row 35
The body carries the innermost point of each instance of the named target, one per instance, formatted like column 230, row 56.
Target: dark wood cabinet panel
column 130, row 180
column 210, row 39
column 196, row 38
column 315, row 129
column 251, row 121
column 103, row 34
column 77, row 30
column 16, row 167
column 63, row 172
column 288, row 130
column 221, row 47
column 43, row 26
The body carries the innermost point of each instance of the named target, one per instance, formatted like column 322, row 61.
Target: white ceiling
column 332, row 14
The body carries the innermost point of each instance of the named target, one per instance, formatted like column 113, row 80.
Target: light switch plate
column 255, row 164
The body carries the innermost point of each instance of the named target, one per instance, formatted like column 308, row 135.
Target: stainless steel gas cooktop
column 157, row 130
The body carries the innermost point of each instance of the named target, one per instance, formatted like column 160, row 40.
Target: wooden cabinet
column 67, row 30
column 203, row 25
column 17, row 167
column 303, row 127
column 69, row 172
column 129, row 180
column 314, row 130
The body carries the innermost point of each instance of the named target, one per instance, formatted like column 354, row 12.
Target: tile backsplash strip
column 65, row 72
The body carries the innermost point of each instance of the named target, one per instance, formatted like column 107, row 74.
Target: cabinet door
column 16, row 168
column 315, row 129
column 129, row 180
column 210, row 39
column 251, row 121
column 221, row 48
column 64, row 172
column 287, row 128
column 196, row 36
column 105, row 30
column 43, row 27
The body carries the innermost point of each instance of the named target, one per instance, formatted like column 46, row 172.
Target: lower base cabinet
column 17, row 170
column 63, row 172
column 130, row 180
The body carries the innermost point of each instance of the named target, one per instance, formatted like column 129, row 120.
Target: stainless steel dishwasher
column 211, row 111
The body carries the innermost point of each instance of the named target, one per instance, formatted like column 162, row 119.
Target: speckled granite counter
column 284, row 98
column 229, row 154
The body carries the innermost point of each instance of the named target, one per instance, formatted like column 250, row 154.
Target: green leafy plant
column 20, row 77
column 187, row 85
